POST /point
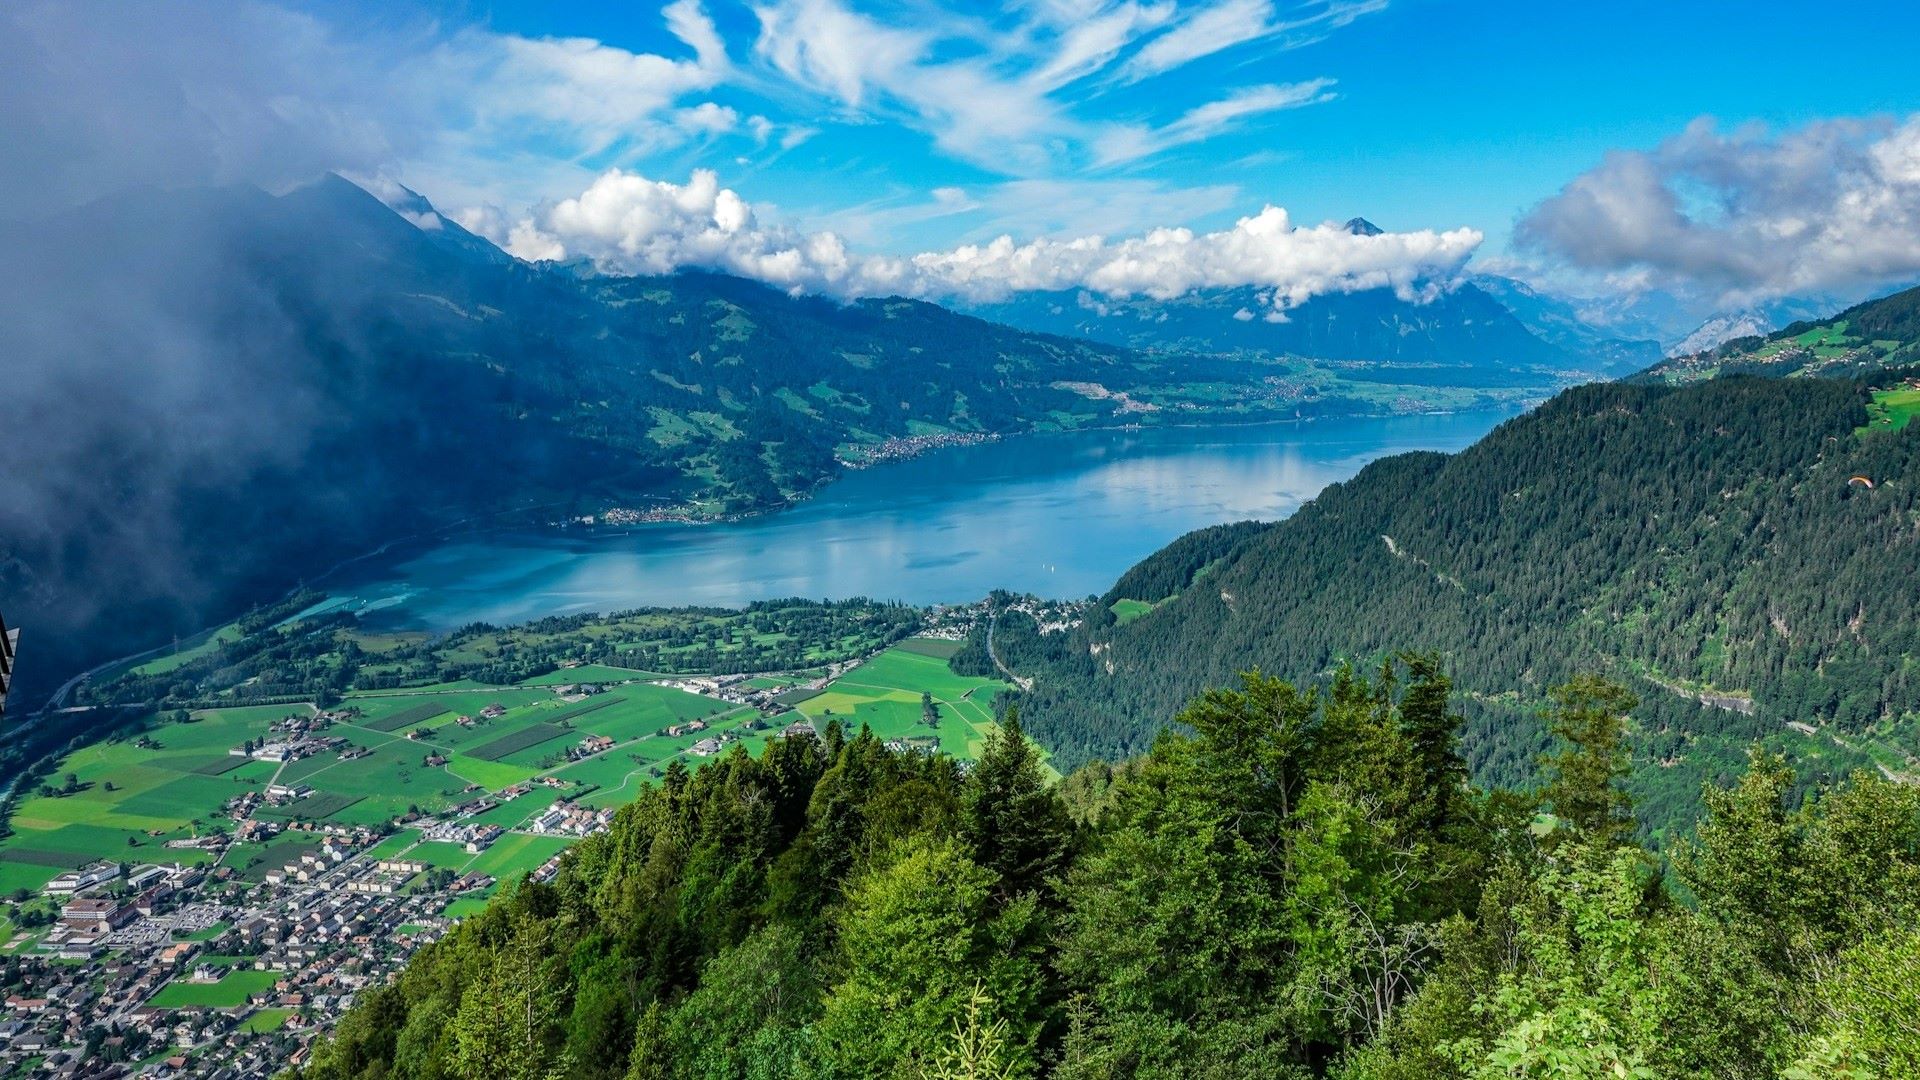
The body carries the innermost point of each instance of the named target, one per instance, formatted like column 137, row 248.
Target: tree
column 1589, row 715
column 1014, row 824
column 929, row 712
column 915, row 939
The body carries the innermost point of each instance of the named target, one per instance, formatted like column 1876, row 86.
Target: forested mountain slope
column 1302, row 888
column 1705, row 544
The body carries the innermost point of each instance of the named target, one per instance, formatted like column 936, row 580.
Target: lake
column 1058, row 515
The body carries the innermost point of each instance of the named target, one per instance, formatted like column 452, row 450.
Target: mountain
column 1704, row 544
column 216, row 392
column 1871, row 336
column 1721, row 329
column 1617, row 346
column 1460, row 336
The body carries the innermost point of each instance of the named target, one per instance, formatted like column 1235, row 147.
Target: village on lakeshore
column 203, row 893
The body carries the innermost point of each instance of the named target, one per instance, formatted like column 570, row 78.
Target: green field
column 1128, row 610
column 1892, row 410
column 531, row 735
column 233, row 989
column 190, row 650
column 590, row 673
column 261, row 1021
column 884, row 694
column 938, row 648
column 126, row 800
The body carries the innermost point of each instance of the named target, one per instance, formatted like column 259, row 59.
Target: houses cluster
column 564, row 818
column 476, row 837
column 291, row 739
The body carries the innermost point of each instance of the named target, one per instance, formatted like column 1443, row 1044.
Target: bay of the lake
column 1060, row 515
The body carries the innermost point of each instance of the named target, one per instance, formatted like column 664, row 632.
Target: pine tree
column 1590, row 715
column 1013, row 823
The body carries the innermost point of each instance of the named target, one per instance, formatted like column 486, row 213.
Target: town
column 224, row 948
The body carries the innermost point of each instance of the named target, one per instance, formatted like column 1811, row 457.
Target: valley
column 209, row 837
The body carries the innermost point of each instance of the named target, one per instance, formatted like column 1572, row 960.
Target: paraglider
column 1861, row 481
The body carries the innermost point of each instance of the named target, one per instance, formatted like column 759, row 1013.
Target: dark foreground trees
column 1305, row 886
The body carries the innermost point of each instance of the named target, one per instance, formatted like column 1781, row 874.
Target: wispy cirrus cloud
column 1121, row 143
column 1217, row 27
column 991, row 94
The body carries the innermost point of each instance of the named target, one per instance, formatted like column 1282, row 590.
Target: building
column 705, row 748
column 72, row 881
column 89, row 911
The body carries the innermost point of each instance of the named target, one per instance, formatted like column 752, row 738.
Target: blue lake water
column 1057, row 515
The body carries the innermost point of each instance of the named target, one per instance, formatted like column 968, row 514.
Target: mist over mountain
column 222, row 391
column 1463, row 334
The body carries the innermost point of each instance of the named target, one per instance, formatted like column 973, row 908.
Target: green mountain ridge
column 1705, row 544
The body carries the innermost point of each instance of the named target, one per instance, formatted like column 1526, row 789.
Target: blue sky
column 1441, row 114
column 1736, row 152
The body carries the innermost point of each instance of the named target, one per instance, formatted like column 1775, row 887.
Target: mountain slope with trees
column 1304, row 886
column 1708, row 545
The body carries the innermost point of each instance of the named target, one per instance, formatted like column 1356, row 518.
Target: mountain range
column 251, row 387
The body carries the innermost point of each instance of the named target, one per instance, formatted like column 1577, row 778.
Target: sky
column 1738, row 152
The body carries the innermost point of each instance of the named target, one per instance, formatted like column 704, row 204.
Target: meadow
column 884, row 693
column 124, row 798
column 232, row 989
column 1892, row 410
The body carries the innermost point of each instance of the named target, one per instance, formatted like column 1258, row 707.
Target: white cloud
column 626, row 223
column 1121, row 143
column 1750, row 214
column 1228, row 23
column 971, row 110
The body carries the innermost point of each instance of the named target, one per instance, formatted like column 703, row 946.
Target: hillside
column 1871, row 336
column 270, row 384
column 1302, row 888
column 1703, row 544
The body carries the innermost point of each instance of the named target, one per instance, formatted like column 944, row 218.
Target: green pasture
column 1892, row 410
column 261, row 1021
column 231, row 990
column 515, row 854
column 884, row 694
column 589, row 673
column 1128, row 610
column 190, row 650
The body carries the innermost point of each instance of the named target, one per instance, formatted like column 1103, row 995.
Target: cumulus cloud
column 629, row 224
column 1749, row 214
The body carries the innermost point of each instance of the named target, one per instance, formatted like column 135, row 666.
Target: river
column 1060, row 515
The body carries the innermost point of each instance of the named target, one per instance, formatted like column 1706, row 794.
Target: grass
column 262, row 1021
column 589, row 673
column 190, row 650
column 1892, row 410
column 464, row 907
column 1128, row 610
column 532, row 735
column 405, row 717
column 885, row 694
column 938, row 648
column 231, row 990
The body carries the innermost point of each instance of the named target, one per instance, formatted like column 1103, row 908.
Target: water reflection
column 1061, row 515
